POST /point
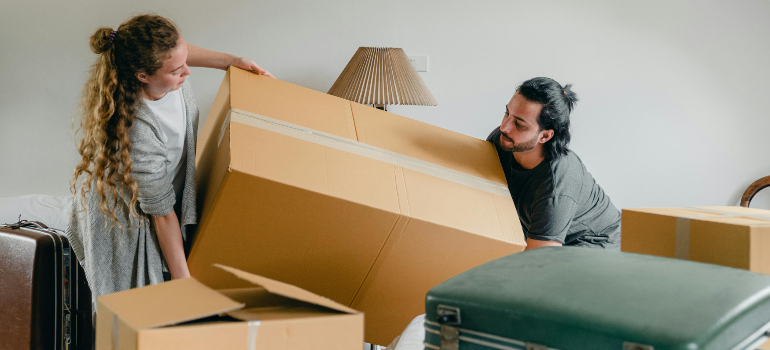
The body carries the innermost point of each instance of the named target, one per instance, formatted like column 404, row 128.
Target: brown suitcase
column 45, row 302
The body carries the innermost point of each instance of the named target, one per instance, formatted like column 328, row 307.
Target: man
column 557, row 200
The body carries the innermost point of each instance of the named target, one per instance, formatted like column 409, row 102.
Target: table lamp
column 381, row 76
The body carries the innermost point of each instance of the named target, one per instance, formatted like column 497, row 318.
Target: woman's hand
column 247, row 64
column 200, row 57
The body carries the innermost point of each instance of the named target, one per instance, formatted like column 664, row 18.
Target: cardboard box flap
column 427, row 142
column 291, row 103
column 673, row 212
column 256, row 296
column 282, row 313
column 287, row 290
column 739, row 212
column 709, row 212
column 167, row 303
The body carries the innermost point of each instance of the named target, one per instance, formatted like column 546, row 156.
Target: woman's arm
column 170, row 239
column 199, row 57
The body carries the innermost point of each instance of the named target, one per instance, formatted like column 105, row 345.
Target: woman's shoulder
column 148, row 120
column 187, row 92
column 145, row 126
column 144, row 117
column 189, row 102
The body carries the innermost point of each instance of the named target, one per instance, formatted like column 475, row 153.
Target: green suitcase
column 578, row 298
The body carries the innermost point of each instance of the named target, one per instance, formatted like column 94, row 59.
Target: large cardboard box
column 359, row 205
column 730, row 236
column 186, row 314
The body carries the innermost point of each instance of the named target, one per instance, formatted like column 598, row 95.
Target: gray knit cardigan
column 115, row 259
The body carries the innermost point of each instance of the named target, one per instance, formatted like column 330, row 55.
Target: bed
column 53, row 211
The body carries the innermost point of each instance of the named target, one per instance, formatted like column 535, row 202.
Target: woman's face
column 170, row 75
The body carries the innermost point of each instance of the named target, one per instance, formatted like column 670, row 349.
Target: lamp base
column 381, row 107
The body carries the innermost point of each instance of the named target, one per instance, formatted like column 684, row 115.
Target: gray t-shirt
column 560, row 201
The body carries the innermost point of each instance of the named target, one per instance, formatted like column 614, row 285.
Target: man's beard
column 518, row 147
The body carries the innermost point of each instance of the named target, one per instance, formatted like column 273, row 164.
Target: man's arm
column 551, row 219
column 534, row 243
column 200, row 57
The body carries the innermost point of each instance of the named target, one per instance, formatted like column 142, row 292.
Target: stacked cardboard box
column 359, row 205
column 730, row 236
column 184, row 314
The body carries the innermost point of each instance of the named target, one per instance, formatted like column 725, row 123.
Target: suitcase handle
column 447, row 319
column 24, row 223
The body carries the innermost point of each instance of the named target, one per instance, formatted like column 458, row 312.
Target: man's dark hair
column 557, row 104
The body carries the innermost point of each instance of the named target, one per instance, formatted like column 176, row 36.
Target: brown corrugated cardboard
column 362, row 206
column 730, row 236
column 272, row 316
column 415, row 139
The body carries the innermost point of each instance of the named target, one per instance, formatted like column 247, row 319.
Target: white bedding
column 412, row 338
column 53, row 211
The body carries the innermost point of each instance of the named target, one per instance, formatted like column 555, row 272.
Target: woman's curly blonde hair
column 108, row 105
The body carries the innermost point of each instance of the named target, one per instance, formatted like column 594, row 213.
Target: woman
column 135, row 184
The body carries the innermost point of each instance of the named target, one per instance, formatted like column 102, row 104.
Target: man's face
column 520, row 131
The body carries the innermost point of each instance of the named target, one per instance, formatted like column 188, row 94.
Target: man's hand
column 247, row 64
column 533, row 243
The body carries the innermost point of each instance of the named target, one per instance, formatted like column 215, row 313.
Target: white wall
column 674, row 94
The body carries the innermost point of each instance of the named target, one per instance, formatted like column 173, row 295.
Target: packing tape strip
column 115, row 331
column 682, row 239
column 253, row 328
column 682, row 243
column 223, row 128
column 361, row 149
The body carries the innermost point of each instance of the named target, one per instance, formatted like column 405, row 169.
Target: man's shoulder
column 567, row 172
column 494, row 136
column 567, row 164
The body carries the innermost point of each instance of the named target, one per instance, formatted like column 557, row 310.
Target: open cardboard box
column 365, row 207
column 186, row 314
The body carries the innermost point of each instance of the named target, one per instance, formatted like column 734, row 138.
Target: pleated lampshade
column 382, row 76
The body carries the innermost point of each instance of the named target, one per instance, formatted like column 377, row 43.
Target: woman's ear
column 142, row 77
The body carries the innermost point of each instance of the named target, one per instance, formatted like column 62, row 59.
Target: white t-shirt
column 171, row 112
